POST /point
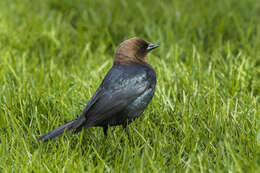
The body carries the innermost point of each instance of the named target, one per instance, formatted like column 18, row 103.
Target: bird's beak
column 151, row 46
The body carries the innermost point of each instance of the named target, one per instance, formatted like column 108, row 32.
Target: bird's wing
column 107, row 102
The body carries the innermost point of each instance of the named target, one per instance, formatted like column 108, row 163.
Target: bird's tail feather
column 74, row 124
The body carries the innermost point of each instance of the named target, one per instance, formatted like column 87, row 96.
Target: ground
column 204, row 117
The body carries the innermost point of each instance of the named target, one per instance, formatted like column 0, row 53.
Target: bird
column 124, row 93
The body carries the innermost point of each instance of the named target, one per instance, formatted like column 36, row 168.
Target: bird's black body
column 122, row 96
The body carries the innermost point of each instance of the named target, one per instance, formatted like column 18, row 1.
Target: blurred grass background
column 204, row 116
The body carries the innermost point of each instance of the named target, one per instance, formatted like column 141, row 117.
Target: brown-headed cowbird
column 124, row 93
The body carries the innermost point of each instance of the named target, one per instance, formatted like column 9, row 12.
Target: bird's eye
column 144, row 46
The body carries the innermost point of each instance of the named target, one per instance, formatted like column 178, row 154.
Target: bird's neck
column 126, row 60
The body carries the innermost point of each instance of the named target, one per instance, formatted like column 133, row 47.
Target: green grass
column 204, row 117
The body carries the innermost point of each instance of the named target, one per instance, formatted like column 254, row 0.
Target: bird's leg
column 126, row 128
column 105, row 130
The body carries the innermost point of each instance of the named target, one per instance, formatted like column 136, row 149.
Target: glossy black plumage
column 122, row 96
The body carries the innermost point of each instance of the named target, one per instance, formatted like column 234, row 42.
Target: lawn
column 204, row 117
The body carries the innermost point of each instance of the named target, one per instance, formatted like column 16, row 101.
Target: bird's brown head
column 133, row 51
